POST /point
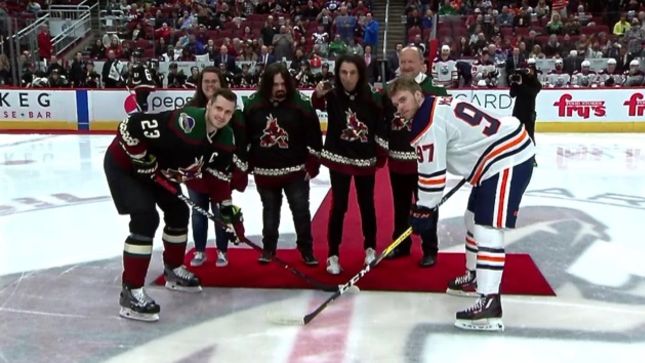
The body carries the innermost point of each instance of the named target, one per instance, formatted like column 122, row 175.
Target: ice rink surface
column 60, row 265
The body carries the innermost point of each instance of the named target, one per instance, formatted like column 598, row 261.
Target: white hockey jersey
column 444, row 72
column 452, row 135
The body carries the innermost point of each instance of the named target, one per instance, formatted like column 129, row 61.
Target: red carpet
column 521, row 275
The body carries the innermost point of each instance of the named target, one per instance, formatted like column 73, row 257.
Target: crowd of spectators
column 240, row 36
column 505, row 34
column 494, row 38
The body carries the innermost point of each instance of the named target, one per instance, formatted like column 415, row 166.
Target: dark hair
column 199, row 98
column 362, row 89
column 227, row 93
column 266, row 84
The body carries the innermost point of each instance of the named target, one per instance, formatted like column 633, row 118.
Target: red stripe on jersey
column 502, row 200
column 471, row 242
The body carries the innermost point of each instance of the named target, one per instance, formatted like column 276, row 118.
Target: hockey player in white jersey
column 495, row 155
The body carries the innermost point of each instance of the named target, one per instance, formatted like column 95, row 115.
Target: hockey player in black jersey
column 140, row 80
column 169, row 148
column 355, row 147
column 153, row 68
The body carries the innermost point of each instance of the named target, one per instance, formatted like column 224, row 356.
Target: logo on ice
column 568, row 108
column 636, row 104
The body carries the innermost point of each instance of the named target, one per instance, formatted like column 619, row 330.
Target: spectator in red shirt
column 164, row 32
column 44, row 43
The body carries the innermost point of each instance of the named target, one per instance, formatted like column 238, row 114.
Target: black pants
column 529, row 124
column 297, row 193
column 138, row 197
column 340, row 184
column 404, row 189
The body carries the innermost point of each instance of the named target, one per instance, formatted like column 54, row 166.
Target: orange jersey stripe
column 496, row 152
column 490, row 258
column 426, row 181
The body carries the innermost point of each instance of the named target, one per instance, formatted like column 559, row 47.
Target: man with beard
column 284, row 138
column 495, row 155
column 402, row 160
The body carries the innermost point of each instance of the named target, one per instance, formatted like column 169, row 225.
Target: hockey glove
column 421, row 219
column 232, row 216
column 146, row 166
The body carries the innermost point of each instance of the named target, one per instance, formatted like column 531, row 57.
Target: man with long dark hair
column 284, row 145
column 354, row 147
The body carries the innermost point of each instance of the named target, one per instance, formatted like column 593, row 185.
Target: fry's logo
column 568, row 108
column 636, row 104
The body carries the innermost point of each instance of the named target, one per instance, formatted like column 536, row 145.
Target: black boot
column 308, row 256
column 428, row 260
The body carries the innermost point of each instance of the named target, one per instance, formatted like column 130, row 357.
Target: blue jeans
column 297, row 193
column 200, row 223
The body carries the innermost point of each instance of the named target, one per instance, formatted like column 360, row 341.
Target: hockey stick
column 317, row 284
column 344, row 288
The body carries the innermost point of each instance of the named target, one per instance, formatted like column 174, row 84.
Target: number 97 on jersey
column 425, row 153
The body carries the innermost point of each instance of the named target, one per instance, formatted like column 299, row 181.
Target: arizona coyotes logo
column 274, row 134
column 355, row 130
column 399, row 123
column 192, row 171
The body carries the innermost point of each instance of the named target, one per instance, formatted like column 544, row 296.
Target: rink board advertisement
column 562, row 110
column 39, row 109
column 107, row 108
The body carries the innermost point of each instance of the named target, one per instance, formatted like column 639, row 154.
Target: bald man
column 225, row 58
column 402, row 160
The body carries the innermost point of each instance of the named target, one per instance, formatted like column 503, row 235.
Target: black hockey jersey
column 179, row 141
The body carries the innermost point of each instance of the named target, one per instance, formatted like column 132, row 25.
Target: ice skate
column 137, row 305
column 180, row 279
column 464, row 285
column 485, row 315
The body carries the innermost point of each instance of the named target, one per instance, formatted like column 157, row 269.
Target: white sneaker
column 222, row 259
column 333, row 267
column 198, row 259
column 370, row 255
